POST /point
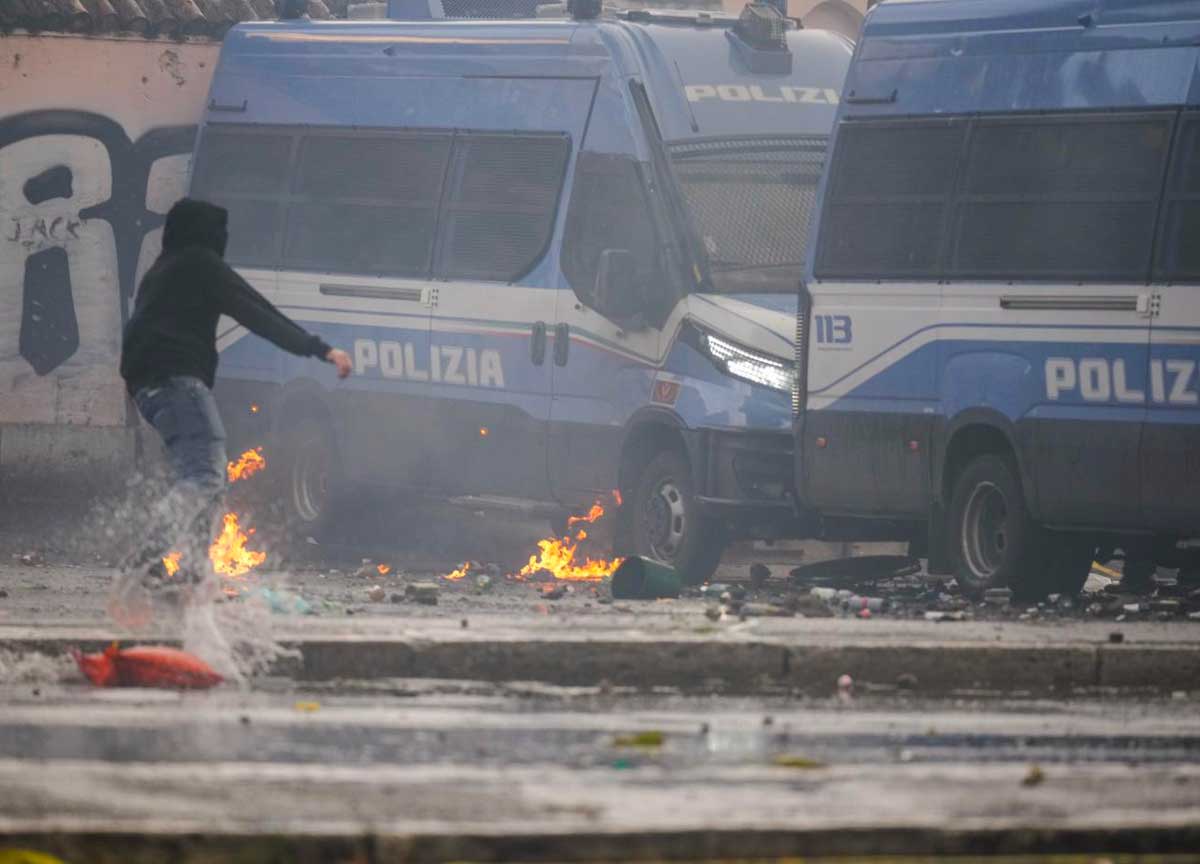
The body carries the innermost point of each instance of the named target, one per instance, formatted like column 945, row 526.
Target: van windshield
column 750, row 200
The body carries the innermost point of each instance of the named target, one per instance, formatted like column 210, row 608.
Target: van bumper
column 744, row 479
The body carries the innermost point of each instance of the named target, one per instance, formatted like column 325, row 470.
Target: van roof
column 960, row 56
column 670, row 52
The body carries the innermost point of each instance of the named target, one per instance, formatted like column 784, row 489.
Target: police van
column 563, row 253
column 1001, row 311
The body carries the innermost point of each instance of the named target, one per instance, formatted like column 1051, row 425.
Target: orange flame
column 592, row 515
column 617, row 497
column 228, row 553
column 561, row 557
column 460, row 573
column 171, row 562
column 248, row 464
column 557, row 557
column 383, row 569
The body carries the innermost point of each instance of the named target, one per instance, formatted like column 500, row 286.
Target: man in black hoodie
column 169, row 360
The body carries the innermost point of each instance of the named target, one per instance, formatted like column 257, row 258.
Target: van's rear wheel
column 667, row 522
column 993, row 542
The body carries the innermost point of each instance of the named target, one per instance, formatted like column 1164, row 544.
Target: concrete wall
column 95, row 137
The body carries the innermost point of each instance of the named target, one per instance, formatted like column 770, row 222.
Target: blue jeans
column 183, row 412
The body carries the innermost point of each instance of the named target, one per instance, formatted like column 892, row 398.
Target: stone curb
column 742, row 667
column 727, row 844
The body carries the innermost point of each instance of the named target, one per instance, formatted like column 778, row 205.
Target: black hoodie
column 173, row 329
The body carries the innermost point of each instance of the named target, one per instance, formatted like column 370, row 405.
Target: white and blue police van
column 1000, row 325
column 563, row 253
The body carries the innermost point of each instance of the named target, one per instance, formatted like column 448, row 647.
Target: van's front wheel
column 667, row 522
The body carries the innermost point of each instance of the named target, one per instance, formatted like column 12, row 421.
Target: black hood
column 196, row 223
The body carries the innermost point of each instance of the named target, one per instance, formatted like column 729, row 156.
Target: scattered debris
column 802, row 763
column 650, row 740
column 845, row 688
column 425, row 593
column 1116, row 637
column 906, row 681
column 765, row 610
column 367, row 570
column 553, row 592
column 759, row 574
column 283, row 602
column 396, row 597
column 376, row 594
column 1033, row 777
column 29, row 559
column 640, row 578
column 147, row 666
column 713, row 613
column 307, row 707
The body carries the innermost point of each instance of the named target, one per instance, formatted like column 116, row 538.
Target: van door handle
column 562, row 343
column 537, row 344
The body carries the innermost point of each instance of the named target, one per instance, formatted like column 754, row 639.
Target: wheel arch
column 649, row 432
column 973, row 433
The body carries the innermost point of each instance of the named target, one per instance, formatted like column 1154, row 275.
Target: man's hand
column 341, row 360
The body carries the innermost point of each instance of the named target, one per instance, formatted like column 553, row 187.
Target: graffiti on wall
column 81, row 210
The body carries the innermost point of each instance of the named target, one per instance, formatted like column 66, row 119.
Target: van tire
column 993, row 543
column 310, row 481
column 667, row 523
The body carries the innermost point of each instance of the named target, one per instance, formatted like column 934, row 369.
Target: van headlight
column 752, row 366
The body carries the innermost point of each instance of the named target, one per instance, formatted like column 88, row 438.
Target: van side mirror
column 617, row 294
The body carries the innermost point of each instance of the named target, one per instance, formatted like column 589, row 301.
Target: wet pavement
column 405, row 759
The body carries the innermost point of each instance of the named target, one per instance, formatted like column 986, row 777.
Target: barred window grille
column 491, row 9
column 751, row 199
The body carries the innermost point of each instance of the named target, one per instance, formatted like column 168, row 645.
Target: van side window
column 608, row 210
column 888, row 198
column 501, row 204
column 1179, row 258
column 1068, row 197
column 245, row 171
column 366, row 203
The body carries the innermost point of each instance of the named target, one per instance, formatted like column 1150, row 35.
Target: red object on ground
column 147, row 666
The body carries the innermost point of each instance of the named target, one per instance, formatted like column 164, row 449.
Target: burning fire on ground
column 561, row 557
column 228, row 553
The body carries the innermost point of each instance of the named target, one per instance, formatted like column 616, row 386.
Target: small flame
column 383, row 569
column 254, row 408
column 616, row 493
column 229, row 554
column 592, row 515
column 460, row 573
column 248, row 464
column 171, row 562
